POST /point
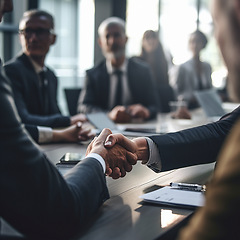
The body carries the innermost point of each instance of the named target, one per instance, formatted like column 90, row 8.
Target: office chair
column 72, row 95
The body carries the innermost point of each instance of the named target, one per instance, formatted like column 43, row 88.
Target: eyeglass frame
column 45, row 32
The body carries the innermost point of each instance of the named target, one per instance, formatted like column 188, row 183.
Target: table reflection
column 168, row 218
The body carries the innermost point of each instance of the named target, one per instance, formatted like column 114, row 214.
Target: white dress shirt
column 113, row 84
column 154, row 161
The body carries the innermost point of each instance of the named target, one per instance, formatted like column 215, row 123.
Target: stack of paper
column 175, row 197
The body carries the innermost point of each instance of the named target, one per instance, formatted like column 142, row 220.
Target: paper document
column 175, row 197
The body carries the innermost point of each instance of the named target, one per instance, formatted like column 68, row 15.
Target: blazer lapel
column 35, row 78
column 105, row 82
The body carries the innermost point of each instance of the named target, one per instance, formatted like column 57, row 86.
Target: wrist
column 142, row 149
column 57, row 136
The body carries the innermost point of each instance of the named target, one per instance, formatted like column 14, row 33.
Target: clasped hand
column 119, row 152
column 122, row 114
column 118, row 158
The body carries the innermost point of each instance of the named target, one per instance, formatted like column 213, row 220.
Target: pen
column 188, row 186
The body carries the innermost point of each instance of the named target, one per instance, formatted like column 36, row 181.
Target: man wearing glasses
column 34, row 84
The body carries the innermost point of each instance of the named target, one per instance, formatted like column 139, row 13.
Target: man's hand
column 119, row 160
column 137, row 145
column 181, row 113
column 138, row 111
column 74, row 133
column 78, row 118
column 119, row 114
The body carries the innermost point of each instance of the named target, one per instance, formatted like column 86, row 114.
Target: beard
column 114, row 54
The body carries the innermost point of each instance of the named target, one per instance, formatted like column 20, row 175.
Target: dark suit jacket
column 33, row 131
column 194, row 146
column 27, row 94
column 95, row 95
column 35, row 198
column 219, row 218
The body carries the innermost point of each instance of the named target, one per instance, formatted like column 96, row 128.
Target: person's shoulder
column 50, row 70
column 206, row 64
column 98, row 66
column 16, row 61
column 138, row 62
column 188, row 65
column 97, row 70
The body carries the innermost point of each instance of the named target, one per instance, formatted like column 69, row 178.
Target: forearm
column 53, row 121
column 190, row 147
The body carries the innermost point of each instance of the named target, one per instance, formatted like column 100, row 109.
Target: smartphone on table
column 71, row 158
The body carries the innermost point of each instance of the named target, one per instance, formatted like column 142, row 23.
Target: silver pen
column 188, row 186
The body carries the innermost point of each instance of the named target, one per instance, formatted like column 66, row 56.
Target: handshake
column 119, row 152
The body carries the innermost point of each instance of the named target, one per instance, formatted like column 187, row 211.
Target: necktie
column 200, row 84
column 44, row 91
column 118, row 95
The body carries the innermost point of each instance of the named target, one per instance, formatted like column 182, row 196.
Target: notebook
column 101, row 120
column 210, row 102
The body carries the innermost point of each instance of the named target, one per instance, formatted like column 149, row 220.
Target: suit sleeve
column 194, row 146
column 35, row 198
column 33, row 131
column 218, row 219
column 54, row 120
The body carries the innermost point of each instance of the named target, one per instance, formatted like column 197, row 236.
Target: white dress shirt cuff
column 45, row 134
column 98, row 158
column 154, row 161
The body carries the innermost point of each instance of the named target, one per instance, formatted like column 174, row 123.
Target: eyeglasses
column 39, row 32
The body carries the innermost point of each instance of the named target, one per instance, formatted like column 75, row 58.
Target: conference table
column 125, row 215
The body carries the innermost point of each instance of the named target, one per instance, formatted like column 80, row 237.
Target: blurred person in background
column 123, row 87
column 194, row 74
column 153, row 53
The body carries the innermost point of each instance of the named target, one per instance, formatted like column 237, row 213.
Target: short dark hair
column 37, row 13
column 201, row 36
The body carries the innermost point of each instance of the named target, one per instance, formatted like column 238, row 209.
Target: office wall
column 103, row 10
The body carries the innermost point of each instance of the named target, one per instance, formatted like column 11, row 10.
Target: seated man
column 122, row 86
column 34, row 84
column 35, row 198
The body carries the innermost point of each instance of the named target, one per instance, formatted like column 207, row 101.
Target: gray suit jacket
column 95, row 94
column 27, row 94
column 187, row 80
column 35, row 198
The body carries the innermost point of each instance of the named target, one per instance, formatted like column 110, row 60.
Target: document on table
column 175, row 197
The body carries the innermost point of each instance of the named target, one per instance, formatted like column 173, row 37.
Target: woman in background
column 153, row 54
column 194, row 74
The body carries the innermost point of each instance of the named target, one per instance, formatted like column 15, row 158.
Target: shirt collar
column 111, row 69
column 36, row 66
